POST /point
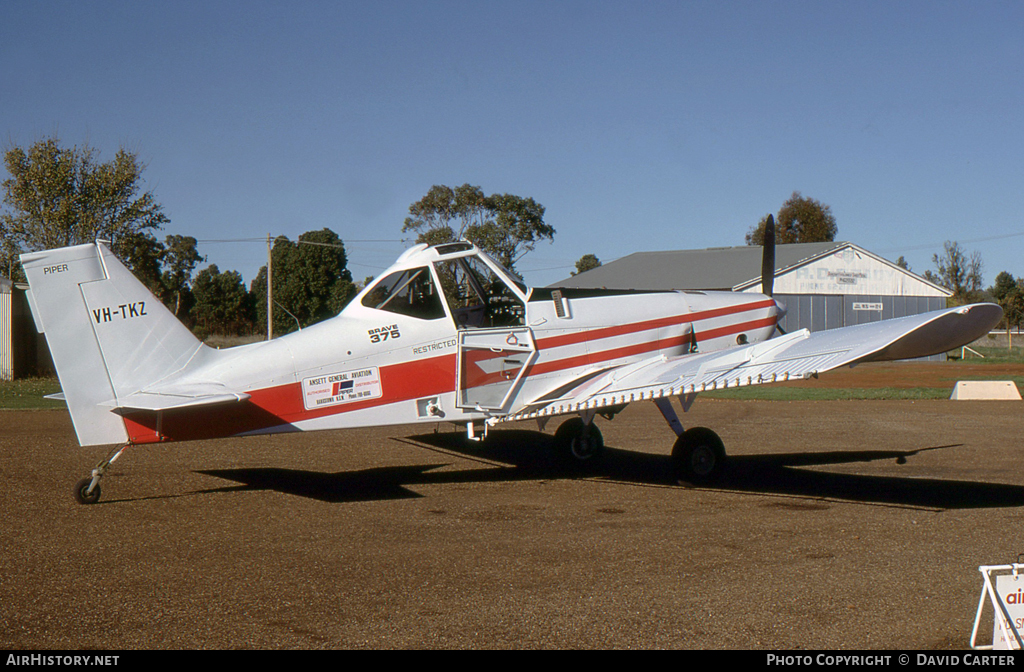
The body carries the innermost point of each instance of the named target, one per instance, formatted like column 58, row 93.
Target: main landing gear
column 579, row 440
column 87, row 490
column 698, row 456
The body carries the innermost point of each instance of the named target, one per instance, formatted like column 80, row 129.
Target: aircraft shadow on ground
column 514, row 455
column 345, row 486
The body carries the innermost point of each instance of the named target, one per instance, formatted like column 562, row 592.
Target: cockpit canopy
column 477, row 292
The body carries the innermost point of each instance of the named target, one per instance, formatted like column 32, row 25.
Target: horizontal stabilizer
column 180, row 396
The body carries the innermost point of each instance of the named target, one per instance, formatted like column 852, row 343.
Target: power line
column 233, row 240
column 306, row 242
column 966, row 242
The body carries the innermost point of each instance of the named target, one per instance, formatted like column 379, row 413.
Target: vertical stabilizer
column 109, row 336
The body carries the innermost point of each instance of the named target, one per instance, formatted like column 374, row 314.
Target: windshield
column 410, row 292
column 477, row 296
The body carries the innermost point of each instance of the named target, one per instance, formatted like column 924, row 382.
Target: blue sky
column 639, row 125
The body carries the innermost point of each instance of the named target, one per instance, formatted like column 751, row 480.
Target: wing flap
column 791, row 357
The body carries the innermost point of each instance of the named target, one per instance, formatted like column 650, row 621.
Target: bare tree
column 958, row 273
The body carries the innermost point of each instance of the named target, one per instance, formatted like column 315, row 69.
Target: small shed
column 23, row 351
column 6, row 330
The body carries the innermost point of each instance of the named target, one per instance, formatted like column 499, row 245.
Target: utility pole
column 270, row 292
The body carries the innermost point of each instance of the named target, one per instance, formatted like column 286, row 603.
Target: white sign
column 341, row 388
column 1010, row 589
column 868, row 306
column 850, row 273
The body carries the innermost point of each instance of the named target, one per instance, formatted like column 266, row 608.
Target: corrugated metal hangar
column 823, row 285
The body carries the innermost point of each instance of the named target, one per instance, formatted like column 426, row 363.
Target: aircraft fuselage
column 380, row 363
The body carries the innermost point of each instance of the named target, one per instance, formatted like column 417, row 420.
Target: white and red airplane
column 445, row 334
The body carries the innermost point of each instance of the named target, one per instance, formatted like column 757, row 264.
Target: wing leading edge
column 792, row 357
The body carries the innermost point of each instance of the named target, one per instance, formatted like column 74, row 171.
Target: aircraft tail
column 108, row 334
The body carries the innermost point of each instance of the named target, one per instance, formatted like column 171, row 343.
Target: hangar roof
column 721, row 268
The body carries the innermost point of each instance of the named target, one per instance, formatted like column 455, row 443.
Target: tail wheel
column 698, row 456
column 82, row 493
column 580, row 442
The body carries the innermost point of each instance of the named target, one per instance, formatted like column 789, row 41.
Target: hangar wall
column 816, row 312
column 823, row 285
column 848, row 286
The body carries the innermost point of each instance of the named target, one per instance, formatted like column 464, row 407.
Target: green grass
column 993, row 355
column 28, row 393
column 783, row 393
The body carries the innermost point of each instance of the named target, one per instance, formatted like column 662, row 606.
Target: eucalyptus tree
column 505, row 226
column 800, row 220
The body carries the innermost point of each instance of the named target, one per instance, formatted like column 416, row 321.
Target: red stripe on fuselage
column 731, row 329
column 622, row 329
column 282, row 404
column 608, row 355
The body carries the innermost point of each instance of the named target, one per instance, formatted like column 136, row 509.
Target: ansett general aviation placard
column 341, row 388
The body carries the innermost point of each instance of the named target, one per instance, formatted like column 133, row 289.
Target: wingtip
column 990, row 312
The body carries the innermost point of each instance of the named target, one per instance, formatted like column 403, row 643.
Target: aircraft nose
column 780, row 306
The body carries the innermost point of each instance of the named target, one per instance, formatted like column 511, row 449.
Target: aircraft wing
column 176, row 396
column 791, row 357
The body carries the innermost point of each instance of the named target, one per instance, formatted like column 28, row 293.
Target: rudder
column 108, row 335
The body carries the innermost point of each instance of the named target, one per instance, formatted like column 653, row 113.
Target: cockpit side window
column 410, row 292
column 477, row 296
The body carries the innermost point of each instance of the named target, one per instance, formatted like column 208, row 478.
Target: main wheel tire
column 82, row 494
column 698, row 456
column 579, row 443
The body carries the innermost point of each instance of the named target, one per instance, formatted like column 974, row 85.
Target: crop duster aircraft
column 445, row 334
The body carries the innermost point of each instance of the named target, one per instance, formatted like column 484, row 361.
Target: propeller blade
column 768, row 257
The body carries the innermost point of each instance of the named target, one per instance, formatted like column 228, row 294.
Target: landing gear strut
column 87, row 490
column 698, row 456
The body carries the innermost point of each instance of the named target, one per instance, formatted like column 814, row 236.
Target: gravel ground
column 402, row 537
